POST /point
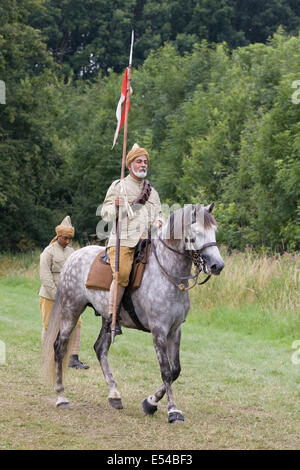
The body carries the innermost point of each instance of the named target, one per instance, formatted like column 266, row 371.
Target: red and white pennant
column 123, row 98
column 120, row 115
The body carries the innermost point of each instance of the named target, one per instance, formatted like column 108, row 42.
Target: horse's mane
column 177, row 219
column 209, row 220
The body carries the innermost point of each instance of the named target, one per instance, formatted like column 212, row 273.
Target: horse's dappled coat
column 160, row 306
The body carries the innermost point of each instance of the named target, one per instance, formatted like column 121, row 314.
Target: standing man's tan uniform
column 52, row 260
column 136, row 220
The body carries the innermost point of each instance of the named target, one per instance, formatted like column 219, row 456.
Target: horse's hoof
column 63, row 406
column 176, row 417
column 148, row 409
column 62, row 403
column 115, row 403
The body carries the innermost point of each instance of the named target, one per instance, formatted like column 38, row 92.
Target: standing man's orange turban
column 65, row 229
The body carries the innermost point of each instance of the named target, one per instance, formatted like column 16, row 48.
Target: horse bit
column 197, row 260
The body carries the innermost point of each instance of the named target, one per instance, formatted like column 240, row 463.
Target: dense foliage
column 85, row 36
column 221, row 122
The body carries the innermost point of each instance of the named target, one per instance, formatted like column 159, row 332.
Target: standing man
column 140, row 209
column 52, row 260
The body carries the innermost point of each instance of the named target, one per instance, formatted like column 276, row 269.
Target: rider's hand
column 120, row 201
column 157, row 224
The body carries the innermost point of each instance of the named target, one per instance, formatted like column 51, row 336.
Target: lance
column 119, row 215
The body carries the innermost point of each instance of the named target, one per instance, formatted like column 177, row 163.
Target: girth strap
column 129, row 307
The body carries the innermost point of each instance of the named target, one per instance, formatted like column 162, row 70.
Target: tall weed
column 253, row 292
column 25, row 265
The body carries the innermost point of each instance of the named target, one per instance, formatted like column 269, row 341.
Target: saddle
column 100, row 274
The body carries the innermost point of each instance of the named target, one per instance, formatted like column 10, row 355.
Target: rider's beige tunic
column 132, row 230
column 137, row 228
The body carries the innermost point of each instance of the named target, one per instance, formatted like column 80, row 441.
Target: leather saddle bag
column 100, row 274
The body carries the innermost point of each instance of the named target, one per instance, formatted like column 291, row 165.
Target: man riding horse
column 140, row 209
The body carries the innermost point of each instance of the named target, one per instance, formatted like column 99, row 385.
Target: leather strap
column 129, row 307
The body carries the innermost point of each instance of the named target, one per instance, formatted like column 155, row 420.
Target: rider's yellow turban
column 65, row 229
column 135, row 152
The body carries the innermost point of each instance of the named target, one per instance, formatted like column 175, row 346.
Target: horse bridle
column 194, row 256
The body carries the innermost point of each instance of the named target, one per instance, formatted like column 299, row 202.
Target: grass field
column 239, row 387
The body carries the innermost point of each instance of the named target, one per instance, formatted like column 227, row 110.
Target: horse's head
column 200, row 229
column 193, row 229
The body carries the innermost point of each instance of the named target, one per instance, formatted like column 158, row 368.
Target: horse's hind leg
column 60, row 350
column 168, row 356
column 101, row 348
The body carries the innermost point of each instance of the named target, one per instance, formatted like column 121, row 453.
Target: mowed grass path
column 236, row 391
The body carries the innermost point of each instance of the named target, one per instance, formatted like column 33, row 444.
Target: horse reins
column 199, row 265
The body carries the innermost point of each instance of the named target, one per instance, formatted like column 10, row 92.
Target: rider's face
column 138, row 167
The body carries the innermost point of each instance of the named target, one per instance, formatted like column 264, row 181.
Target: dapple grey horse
column 161, row 303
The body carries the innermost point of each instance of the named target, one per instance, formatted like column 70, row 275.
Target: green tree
column 266, row 187
column 30, row 159
column 85, row 36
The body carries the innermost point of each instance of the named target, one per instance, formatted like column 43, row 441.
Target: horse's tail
column 49, row 366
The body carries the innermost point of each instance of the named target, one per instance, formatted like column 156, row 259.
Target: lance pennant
column 120, row 115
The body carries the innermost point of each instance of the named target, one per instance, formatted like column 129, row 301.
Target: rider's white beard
column 139, row 174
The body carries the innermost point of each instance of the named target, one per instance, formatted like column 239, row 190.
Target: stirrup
column 118, row 330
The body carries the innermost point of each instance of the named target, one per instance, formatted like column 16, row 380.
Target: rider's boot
column 76, row 363
column 120, row 293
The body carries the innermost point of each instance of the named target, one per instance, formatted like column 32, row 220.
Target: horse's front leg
column 101, row 348
column 173, row 345
column 167, row 350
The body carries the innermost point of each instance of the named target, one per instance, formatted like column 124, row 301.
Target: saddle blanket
column 100, row 274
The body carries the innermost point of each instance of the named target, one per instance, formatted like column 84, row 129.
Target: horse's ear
column 210, row 208
column 194, row 213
